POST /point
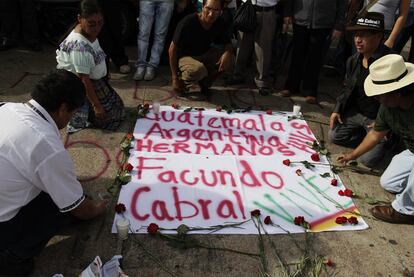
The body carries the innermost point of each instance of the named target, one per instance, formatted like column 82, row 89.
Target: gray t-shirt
column 388, row 8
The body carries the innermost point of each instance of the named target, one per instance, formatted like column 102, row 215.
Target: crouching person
column 39, row 192
column 193, row 57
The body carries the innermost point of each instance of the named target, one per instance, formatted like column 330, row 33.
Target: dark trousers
column 19, row 20
column 110, row 37
column 402, row 39
column 309, row 46
column 27, row 233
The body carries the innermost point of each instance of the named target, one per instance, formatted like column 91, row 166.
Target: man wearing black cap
column 354, row 112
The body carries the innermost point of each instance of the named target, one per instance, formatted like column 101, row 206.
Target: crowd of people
column 376, row 104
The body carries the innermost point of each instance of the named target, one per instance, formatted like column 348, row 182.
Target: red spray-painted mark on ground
column 105, row 153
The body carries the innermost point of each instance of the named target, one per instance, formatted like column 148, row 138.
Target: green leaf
column 307, row 164
column 325, row 175
column 323, row 151
column 335, row 170
column 353, row 163
column 188, row 109
column 229, row 111
column 182, row 230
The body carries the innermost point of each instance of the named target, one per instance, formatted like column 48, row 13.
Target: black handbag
column 245, row 18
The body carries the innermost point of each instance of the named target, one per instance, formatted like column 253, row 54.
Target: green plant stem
column 261, row 247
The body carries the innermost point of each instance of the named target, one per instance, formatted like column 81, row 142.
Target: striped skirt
column 111, row 103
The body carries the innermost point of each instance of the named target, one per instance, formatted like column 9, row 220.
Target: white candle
column 156, row 107
column 122, row 226
column 296, row 109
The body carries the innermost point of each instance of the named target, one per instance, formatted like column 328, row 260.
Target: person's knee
column 335, row 137
column 194, row 73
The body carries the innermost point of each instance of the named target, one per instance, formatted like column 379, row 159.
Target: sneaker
column 139, row 74
column 149, row 74
column 125, row 69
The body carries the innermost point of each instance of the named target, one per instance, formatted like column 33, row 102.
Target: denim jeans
column 161, row 12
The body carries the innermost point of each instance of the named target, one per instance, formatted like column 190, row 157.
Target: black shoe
column 6, row 44
column 265, row 91
column 12, row 266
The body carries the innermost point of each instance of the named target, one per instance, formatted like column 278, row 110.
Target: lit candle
column 156, row 107
column 122, row 226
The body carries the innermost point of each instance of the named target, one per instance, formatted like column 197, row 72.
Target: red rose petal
column 267, row 220
column 286, row 162
column 152, row 229
column 334, row 182
column 315, row 157
column 255, row 213
column 269, row 111
column 341, row 193
column 120, row 208
column 348, row 192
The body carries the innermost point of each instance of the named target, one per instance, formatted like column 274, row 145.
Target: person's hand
column 225, row 62
column 333, row 119
column 344, row 158
column 336, row 35
column 178, row 85
column 287, row 21
column 371, row 125
column 102, row 206
column 99, row 112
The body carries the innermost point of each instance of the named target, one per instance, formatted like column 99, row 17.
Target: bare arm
column 89, row 209
column 371, row 139
column 399, row 23
column 172, row 53
column 90, row 93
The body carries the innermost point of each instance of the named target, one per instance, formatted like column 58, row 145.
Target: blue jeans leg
column 399, row 178
column 146, row 19
column 162, row 13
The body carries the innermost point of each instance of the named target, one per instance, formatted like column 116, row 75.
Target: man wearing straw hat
column 354, row 112
column 391, row 82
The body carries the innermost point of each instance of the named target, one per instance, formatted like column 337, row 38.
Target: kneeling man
column 391, row 81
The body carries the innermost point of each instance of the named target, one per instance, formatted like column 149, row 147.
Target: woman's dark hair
column 58, row 87
column 222, row 2
column 89, row 7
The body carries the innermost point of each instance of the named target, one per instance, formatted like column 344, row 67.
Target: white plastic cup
column 122, row 226
column 296, row 109
column 156, row 107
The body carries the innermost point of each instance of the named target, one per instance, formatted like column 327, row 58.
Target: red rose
column 128, row 167
column 269, row 111
column 298, row 172
column 120, row 208
column 218, row 108
column 174, row 105
column 299, row 220
column 146, row 106
column 353, row 220
column 315, row 157
column 267, row 220
column 341, row 220
column 334, row 182
column 255, row 213
column 328, row 262
column 348, row 192
column 286, row 162
column 341, row 193
column 129, row 136
column 152, row 229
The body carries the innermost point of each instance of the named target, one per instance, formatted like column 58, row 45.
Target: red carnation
column 299, row 220
column 175, row 105
column 255, row 213
column 341, row 193
column 152, row 229
column 269, row 111
column 267, row 220
column 334, row 182
column 120, row 208
column 129, row 136
column 353, row 220
column 328, row 262
column 341, row 220
column 286, row 162
column 218, row 108
column 146, row 106
column 315, row 157
column 298, row 172
column 348, row 192
column 128, row 167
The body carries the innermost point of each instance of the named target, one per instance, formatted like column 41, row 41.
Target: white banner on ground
column 204, row 168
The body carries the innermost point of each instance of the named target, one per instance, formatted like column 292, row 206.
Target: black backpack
column 245, row 18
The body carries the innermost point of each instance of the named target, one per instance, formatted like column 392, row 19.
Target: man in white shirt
column 39, row 192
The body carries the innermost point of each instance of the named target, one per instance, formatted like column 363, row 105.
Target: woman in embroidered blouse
column 81, row 53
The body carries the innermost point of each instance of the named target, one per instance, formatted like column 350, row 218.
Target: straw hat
column 388, row 73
